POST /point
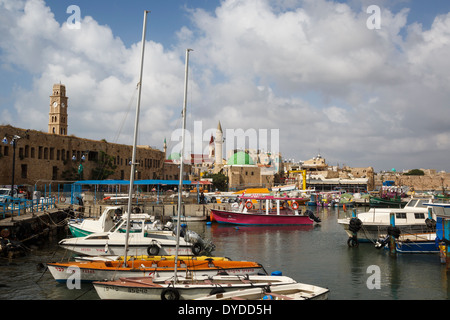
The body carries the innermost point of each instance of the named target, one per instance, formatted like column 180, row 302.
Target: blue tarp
column 136, row 182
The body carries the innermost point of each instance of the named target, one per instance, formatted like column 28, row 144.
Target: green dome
column 240, row 158
column 174, row 156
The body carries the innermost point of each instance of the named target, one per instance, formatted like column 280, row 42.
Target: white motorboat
column 294, row 291
column 413, row 218
column 84, row 227
column 162, row 288
column 141, row 241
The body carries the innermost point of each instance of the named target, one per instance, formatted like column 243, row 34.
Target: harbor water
column 316, row 255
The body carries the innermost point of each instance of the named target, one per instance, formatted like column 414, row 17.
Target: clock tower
column 57, row 123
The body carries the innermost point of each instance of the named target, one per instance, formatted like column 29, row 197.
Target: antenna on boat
column 133, row 159
column 180, row 185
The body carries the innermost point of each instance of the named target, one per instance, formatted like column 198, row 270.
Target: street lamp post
column 80, row 165
column 13, row 143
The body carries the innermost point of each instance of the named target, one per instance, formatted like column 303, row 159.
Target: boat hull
column 78, row 232
column 371, row 233
column 112, row 270
column 240, row 218
column 145, row 289
column 118, row 249
column 417, row 247
column 295, row 291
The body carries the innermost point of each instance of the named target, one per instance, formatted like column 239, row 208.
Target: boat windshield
column 4, row 191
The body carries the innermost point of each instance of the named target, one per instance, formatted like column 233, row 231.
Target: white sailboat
column 176, row 287
column 142, row 241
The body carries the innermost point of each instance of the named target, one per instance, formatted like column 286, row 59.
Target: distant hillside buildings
column 55, row 156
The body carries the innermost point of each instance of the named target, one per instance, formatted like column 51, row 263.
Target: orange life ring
column 249, row 205
column 294, row 205
column 106, row 198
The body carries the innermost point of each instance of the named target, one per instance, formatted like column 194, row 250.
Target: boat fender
column 431, row 223
column 294, row 205
column 249, row 205
column 353, row 242
column 394, row 231
column 276, row 273
column 196, row 249
column 170, row 294
column 153, row 250
column 355, row 225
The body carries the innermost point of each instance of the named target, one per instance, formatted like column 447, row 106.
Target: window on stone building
column 45, row 153
column 24, row 171
column 41, row 149
column 33, row 152
column 27, row 151
column 52, row 153
column 55, row 173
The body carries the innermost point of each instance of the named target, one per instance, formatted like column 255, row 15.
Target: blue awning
column 136, row 182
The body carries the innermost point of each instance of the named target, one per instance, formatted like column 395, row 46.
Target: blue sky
column 310, row 68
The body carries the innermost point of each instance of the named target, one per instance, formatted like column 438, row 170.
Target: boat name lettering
column 112, row 288
column 87, row 271
column 137, row 290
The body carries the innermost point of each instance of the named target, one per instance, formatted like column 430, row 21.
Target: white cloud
column 309, row 68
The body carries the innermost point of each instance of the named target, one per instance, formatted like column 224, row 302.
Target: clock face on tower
column 55, row 104
column 63, row 104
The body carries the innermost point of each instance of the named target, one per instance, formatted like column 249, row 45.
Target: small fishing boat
column 295, row 291
column 412, row 243
column 373, row 224
column 265, row 210
column 111, row 270
column 110, row 216
column 181, row 288
column 84, row 227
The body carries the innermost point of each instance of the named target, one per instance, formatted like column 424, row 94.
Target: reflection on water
column 316, row 255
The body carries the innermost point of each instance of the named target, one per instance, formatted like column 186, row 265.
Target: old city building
column 55, row 156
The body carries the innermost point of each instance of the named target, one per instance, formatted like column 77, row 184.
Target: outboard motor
column 312, row 216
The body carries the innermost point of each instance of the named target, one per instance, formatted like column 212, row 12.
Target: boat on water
column 393, row 202
column 181, row 288
column 265, row 210
column 372, row 225
column 111, row 270
column 110, row 216
column 141, row 240
column 294, row 291
column 417, row 243
column 84, row 227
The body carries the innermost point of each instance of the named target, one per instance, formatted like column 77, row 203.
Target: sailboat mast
column 133, row 159
column 180, row 185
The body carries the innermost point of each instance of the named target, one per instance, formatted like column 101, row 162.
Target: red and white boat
column 266, row 210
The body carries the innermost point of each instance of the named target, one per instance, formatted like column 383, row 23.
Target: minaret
column 57, row 123
column 211, row 147
column 219, row 143
column 165, row 149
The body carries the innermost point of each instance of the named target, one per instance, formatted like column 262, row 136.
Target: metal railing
column 17, row 206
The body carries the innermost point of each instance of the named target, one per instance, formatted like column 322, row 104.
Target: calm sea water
column 316, row 255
